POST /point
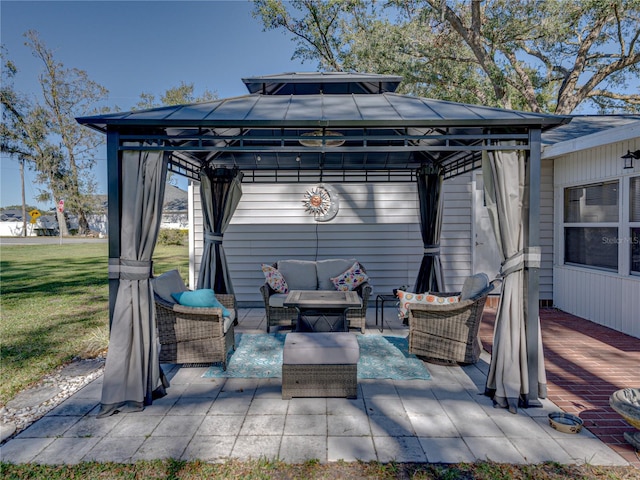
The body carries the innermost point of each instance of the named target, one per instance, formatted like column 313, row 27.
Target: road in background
column 48, row 240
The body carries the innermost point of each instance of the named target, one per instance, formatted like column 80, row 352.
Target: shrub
column 170, row 236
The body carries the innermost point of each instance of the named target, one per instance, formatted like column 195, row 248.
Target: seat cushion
column 332, row 267
column 277, row 300
column 321, row 349
column 474, row 285
column 299, row 274
column 228, row 321
column 168, row 283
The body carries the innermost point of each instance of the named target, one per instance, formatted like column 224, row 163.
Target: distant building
column 175, row 215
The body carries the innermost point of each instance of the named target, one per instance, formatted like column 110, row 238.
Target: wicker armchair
column 195, row 335
column 448, row 334
column 277, row 316
column 357, row 317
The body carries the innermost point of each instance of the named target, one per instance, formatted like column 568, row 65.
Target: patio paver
column 585, row 363
column 445, row 419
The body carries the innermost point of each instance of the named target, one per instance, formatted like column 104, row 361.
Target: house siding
column 377, row 223
column 546, row 230
column 606, row 298
column 602, row 297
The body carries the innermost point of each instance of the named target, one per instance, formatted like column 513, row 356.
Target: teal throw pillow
column 200, row 298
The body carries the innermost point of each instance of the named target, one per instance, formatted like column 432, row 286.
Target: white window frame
column 629, row 225
column 615, row 225
column 623, row 225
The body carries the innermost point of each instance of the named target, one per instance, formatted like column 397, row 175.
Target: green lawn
column 54, row 306
column 268, row 470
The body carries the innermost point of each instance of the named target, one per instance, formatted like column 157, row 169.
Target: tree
column 536, row 55
column 182, row 94
column 10, row 140
column 67, row 94
column 23, row 135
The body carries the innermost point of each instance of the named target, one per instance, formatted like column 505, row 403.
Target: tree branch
column 526, row 88
column 568, row 87
column 324, row 45
column 473, row 38
column 628, row 98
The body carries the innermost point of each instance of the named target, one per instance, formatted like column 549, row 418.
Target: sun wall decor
column 321, row 201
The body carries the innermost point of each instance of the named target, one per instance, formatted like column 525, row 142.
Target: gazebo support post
column 114, row 176
column 532, row 272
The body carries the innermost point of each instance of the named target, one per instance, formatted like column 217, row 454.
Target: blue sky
column 132, row 47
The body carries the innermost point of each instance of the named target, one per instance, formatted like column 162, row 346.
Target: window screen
column 597, row 203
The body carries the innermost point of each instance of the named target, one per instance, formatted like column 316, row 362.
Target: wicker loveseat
column 448, row 333
column 192, row 334
column 311, row 275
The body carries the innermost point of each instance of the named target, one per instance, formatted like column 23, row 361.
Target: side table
column 380, row 301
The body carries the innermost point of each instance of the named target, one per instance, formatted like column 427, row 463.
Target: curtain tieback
column 432, row 249
column 527, row 258
column 213, row 238
column 126, row 269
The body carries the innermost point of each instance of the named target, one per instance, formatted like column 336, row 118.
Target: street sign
column 34, row 214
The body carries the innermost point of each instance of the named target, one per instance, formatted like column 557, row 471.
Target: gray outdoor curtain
column 132, row 374
column 430, row 276
column 507, row 198
column 220, row 193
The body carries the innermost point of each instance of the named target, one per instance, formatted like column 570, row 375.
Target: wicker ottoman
column 320, row 365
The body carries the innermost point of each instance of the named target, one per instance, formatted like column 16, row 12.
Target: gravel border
column 54, row 388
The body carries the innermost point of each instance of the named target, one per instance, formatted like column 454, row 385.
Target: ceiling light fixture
column 318, row 138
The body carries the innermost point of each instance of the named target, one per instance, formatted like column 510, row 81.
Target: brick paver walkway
column 585, row 364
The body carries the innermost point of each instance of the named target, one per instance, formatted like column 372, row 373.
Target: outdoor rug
column 259, row 355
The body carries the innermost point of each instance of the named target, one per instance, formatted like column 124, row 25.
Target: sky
column 131, row 47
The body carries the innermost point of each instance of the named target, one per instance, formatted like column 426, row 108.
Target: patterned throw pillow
column 275, row 279
column 351, row 279
column 407, row 298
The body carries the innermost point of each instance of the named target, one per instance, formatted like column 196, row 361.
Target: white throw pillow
column 408, row 298
column 275, row 279
column 332, row 267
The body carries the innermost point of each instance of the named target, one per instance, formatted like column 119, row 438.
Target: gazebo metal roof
column 361, row 127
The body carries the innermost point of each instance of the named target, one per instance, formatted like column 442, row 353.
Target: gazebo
column 341, row 126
